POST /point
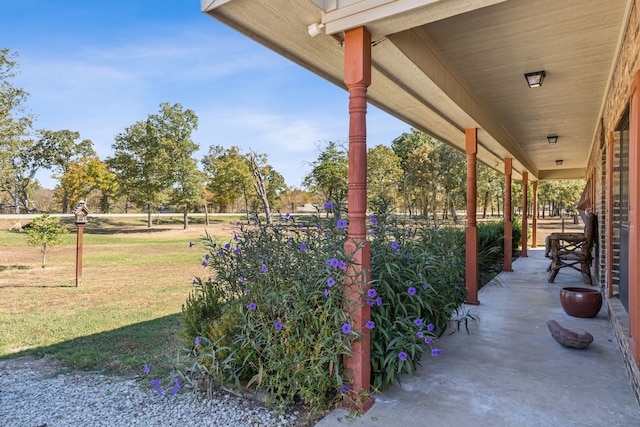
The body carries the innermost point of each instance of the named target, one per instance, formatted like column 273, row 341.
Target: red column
column 508, row 237
column 357, row 76
column 471, row 242
column 525, row 207
column 634, row 219
column 534, row 220
column 609, row 217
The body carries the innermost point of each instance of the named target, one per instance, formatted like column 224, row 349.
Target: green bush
column 274, row 305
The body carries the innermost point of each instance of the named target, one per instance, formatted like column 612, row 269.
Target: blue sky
column 98, row 67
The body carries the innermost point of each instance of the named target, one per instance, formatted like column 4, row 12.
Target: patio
column 509, row 371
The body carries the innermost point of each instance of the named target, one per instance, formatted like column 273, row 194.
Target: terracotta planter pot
column 581, row 302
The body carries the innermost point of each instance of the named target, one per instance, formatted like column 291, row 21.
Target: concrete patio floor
column 508, row 371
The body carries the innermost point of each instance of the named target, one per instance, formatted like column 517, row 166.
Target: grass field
column 125, row 311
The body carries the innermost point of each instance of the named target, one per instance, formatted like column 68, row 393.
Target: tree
column 329, row 173
column 150, row 156
column 45, row 231
column 229, row 176
column 490, row 184
column 57, row 150
column 15, row 130
column 384, row 173
column 85, row 176
column 404, row 146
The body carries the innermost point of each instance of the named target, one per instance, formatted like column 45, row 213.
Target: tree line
column 153, row 165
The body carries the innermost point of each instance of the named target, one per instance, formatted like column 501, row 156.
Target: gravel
column 34, row 394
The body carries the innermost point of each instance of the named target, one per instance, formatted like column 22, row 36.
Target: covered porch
column 509, row 371
column 464, row 73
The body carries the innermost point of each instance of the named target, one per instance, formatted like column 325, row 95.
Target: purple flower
column 326, row 234
column 206, row 257
column 227, row 246
column 341, row 265
column 242, row 279
column 372, row 293
column 334, row 262
column 425, row 286
column 331, row 281
column 160, row 391
column 373, row 220
column 302, row 225
column 303, row 247
column 402, row 356
column 370, row 302
column 197, row 342
column 341, row 223
column 194, row 282
column 370, row 325
column 420, row 334
column 378, row 301
column 346, row 328
column 418, row 322
column 155, row 383
column 326, row 293
column 204, row 263
column 176, row 386
column 435, row 352
column 263, row 268
column 190, row 244
column 428, row 340
column 394, row 245
column 344, row 388
column 235, row 237
column 328, row 205
column 278, row 326
column 146, row 369
column 252, row 306
column 411, row 291
column 430, row 327
column 237, row 250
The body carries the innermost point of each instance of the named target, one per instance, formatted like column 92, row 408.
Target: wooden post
column 508, row 227
column 79, row 254
column 525, row 208
column 357, row 77
column 471, row 232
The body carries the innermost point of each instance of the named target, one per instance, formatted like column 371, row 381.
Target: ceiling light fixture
column 535, row 79
column 558, row 162
column 552, row 139
column 315, row 29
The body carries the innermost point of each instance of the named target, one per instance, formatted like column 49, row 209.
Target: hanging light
column 552, row 139
column 558, row 162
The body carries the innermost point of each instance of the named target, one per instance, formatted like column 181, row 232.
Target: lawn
column 125, row 313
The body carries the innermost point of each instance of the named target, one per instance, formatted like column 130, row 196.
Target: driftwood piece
column 574, row 338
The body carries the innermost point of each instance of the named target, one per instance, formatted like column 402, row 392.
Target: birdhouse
column 81, row 212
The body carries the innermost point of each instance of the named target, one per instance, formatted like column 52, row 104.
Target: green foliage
column 273, row 309
column 153, row 156
column 45, row 231
column 417, row 272
column 329, row 174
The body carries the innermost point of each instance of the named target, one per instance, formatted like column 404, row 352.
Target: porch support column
column 534, row 220
column 471, row 241
column 634, row 219
column 357, row 77
column 525, row 207
column 508, row 237
column 609, row 217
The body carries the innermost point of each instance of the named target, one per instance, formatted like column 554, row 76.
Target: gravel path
column 33, row 395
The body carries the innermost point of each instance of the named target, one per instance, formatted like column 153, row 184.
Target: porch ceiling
column 444, row 66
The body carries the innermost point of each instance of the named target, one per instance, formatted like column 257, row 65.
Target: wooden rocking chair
column 572, row 250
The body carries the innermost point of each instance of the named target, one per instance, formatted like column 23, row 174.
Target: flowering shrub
column 273, row 310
